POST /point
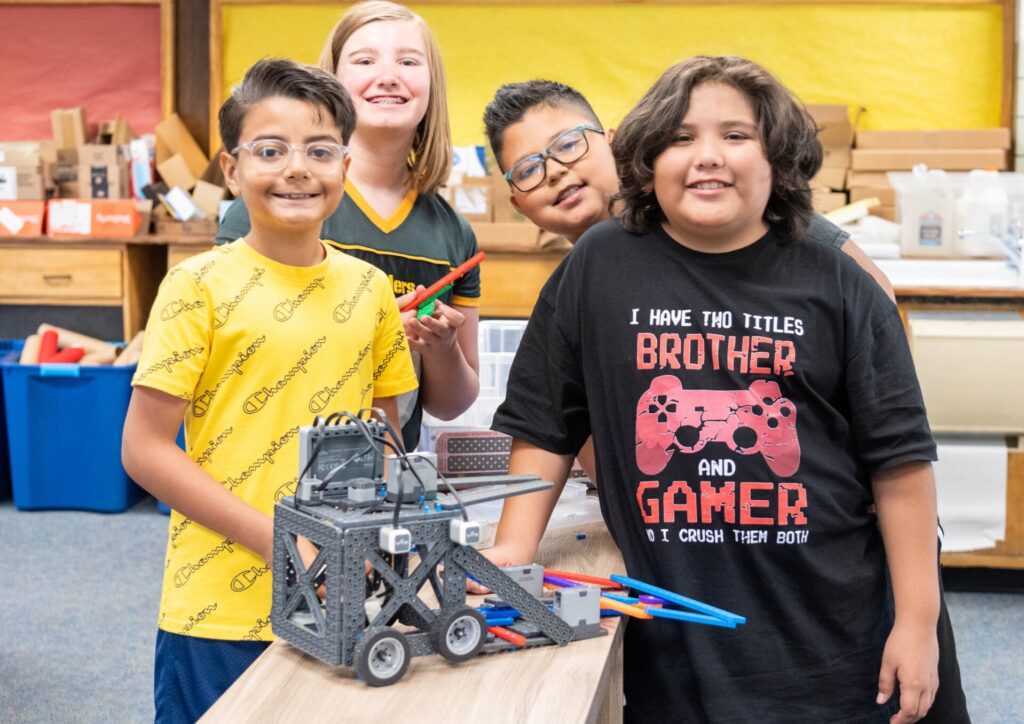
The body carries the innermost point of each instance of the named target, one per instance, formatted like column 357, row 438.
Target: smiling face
column 572, row 198
column 384, row 67
column 290, row 203
column 713, row 181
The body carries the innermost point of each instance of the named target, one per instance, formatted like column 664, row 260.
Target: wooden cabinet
column 93, row 272
column 83, row 275
column 180, row 250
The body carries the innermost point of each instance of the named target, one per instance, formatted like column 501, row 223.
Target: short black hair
column 788, row 134
column 512, row 101
column 285, row 78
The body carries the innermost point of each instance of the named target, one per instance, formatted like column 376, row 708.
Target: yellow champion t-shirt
column 258, row 349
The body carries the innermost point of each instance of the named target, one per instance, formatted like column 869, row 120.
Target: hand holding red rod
column 444, row 281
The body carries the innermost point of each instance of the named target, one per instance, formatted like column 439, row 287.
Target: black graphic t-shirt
column 738, row 404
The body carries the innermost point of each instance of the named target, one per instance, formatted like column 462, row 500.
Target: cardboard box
column 507, row 236
column 835, row 134
column 969, row 371
column 825, row 114
column 855, row 179
column 832, row 178
column 947, row 159
column 68, row 189
column 95, row 154
column 175, row 171
column 116, row 131
column 68, row 127
column 165, row 226
column 836, row 157
column 884, row 211
column 103, row 182
column 173, row 134
column 886, row 195
column 21, row 153
column 825, row 201
column 207, row 198
column 22, row 173
column 22, row 183
column 144, row 207
column 473, row 198
column 504, row 211
column 66, row 167
column 114, row 218
column 983, row 138
column 22, row 218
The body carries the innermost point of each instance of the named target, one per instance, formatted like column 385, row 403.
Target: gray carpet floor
column 79, row 596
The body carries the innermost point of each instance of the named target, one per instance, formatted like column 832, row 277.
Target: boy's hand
column 911, row 656
column 501, row 556
column 436, row 332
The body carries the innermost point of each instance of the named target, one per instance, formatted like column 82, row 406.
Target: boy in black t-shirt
column 751, row 397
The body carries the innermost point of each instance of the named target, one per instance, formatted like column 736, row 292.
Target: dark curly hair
column 788, row 134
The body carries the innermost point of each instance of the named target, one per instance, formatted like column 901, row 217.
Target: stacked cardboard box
column 189, row 201
column 22, row 172
column 23, row 185
column 102, row 172
column 879, row 152
column 836, row 136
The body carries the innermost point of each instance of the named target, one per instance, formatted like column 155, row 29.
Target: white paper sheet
column 971, row 480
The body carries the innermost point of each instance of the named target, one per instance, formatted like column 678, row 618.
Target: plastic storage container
column 982, row 202
column 498, row 340
column 7, row 346
column 927, row 211
column 982, row 213
column 64, row 427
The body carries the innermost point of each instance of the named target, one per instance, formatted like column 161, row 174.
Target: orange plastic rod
column 602, row 582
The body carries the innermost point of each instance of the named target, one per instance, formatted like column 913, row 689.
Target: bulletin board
column 928, row 64
column 112, row 58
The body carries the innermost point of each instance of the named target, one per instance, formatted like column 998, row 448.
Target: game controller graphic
column 755, row 420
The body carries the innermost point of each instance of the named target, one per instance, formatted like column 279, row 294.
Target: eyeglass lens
column 274, row 155
column 571, row 146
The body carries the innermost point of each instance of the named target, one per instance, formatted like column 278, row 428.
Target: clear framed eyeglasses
column 272, row 155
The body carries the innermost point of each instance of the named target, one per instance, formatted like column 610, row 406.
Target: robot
column 367, row 513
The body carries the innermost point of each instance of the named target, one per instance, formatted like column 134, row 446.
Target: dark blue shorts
column 191, row 673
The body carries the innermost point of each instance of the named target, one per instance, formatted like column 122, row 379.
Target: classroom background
column 107, row 129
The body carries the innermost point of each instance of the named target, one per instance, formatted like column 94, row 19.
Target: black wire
column 320, row 423
column 341, row 466
column 388, row 426
column 363, row 428
column 400, row 458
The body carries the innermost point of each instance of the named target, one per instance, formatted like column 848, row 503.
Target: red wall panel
column 105, row 58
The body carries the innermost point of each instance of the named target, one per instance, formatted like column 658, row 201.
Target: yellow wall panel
column 909, row 66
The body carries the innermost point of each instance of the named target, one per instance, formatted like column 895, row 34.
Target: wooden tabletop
column 573, row 683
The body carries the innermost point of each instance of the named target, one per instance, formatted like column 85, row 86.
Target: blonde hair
column 430, row 158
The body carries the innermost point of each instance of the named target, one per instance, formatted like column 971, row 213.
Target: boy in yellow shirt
column 247, row 349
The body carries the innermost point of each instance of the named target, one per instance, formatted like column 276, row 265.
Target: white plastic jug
column 927, row 213
column 982, row 214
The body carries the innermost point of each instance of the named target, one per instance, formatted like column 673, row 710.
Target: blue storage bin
column 7, row 346
column 64, row 427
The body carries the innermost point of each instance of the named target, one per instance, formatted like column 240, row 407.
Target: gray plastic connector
column 307, row 492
